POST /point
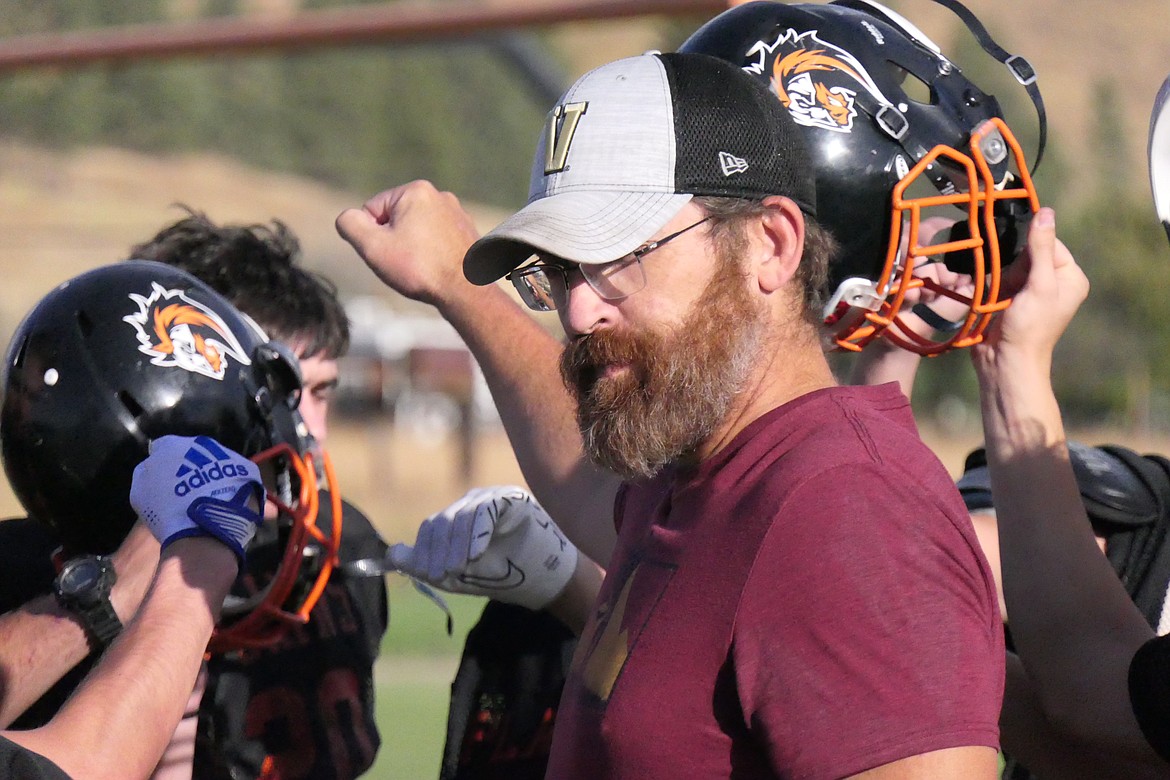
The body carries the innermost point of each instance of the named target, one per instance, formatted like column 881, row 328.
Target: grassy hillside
column 63, row 212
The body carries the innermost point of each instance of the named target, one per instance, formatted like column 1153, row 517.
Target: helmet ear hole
column 130, row 403
column 281, row 372
column 916, row 89
column 84, row 323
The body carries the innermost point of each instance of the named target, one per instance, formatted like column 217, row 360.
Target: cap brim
column 583, row 227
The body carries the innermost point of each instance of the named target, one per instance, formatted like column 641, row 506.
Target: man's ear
column 781, row 243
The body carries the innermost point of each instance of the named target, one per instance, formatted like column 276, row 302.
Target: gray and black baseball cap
column 629, row 144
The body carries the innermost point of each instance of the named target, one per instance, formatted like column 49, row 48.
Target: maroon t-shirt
column 809, row 603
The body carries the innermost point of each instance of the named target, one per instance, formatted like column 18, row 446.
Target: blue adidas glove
column 193, row 486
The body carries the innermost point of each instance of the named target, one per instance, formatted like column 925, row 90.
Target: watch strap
column 101, row 622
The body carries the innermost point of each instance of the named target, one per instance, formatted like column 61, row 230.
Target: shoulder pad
column 1119, row 488
column 975, row 484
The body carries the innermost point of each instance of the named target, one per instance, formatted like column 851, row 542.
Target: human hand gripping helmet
column 126, row 353
column 885, row 160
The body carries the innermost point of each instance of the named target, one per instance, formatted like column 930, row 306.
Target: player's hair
column 727, row 216
column 256, row 268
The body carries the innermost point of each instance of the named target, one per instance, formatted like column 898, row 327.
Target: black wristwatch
column 83, row 587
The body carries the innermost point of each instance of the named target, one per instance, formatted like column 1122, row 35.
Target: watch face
column 80, row 575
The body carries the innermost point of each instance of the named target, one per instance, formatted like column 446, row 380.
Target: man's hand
column 193, row 486
column 413, row 237
column 495, row 542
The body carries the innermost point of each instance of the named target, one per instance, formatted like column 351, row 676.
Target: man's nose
column 584, row 310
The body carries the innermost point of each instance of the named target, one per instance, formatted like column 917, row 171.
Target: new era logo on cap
column 629, row 144
column 731, row 165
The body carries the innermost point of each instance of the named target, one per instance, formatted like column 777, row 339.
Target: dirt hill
column 63, row 212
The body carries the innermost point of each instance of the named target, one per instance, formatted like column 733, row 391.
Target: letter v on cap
column 560, row 127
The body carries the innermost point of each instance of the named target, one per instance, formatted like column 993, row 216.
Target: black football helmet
column 885, row 159
column 126, row 353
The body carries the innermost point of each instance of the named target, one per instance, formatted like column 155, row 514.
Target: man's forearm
column 119, row 721
column 519, row 360
column 39, row 642
column 1073, row 623
column 882, row 362
column 415, row 238
column 1028, row 736
column 576, row 601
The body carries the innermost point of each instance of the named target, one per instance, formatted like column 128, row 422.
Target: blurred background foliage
column 465, row 115
column 355, row 118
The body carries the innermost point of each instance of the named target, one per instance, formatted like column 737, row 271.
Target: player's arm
column 414, row 238
column 1031, row 738
column 41, row 641
column 1075, row 635
column 575, row 603
column 121, row 718
column 881, row 362
column 987, row 533
column 884, row 361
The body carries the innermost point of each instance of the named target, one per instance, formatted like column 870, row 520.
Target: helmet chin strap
column 1017, row 65
column 1021, row 70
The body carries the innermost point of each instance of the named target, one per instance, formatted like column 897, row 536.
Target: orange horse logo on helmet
column 177, row 331
column 816, row 81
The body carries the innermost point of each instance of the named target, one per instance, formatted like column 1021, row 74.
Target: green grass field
column 414, row 677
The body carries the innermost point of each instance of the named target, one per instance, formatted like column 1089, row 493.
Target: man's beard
column 676, row 386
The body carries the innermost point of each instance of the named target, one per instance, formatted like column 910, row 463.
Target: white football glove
column 496, row 542
column 194, row 486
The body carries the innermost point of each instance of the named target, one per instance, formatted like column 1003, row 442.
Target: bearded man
column 793, row 587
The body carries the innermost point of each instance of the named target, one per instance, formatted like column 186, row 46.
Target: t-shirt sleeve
column 868, row 631
column 19, row 762
column 1149, row 692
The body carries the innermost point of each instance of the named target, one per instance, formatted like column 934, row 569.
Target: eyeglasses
column 544, row 286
